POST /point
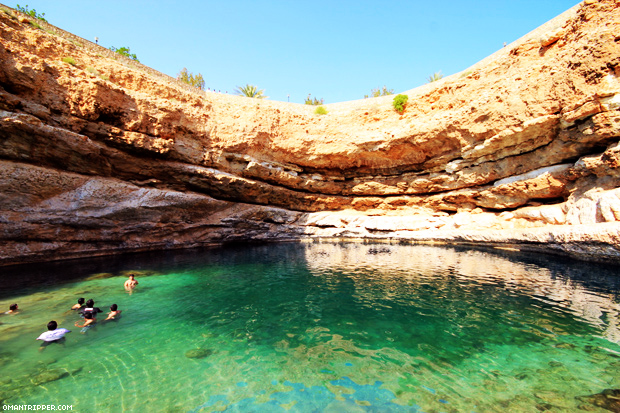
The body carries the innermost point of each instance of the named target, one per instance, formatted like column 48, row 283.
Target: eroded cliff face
column 102, row 155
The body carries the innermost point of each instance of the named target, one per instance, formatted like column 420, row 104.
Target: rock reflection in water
column 567, row 287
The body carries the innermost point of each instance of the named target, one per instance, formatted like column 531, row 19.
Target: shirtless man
column 114, row 311
column 80, row 304
column 89, row 320
column 131, row 282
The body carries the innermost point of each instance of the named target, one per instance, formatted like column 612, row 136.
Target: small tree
column 435, row 77
column 250, row 91
column 380, row 92
column 400, row 102
column 315, row 101
column 194, row 80
column 31, row 13
column 124, row 51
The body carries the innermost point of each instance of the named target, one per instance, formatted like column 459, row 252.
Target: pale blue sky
column 335, row 50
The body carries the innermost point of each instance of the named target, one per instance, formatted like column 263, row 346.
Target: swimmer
column 12, row 309
column 52, row 335
column 79, row 304
column 89, row 308
column 89, row 320
column 114, row 311
column 131, row 282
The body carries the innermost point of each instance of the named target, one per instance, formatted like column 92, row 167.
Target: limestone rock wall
column 99, row 154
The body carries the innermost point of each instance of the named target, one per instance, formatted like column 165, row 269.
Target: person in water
column 131, row 282
column 80, row 304
column 90, row 308
column 114, row 311
column 89, row 320
column 13, row 308
column 52, row 335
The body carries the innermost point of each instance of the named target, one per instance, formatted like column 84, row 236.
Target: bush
column 435, row 77
column 69, row 60
column 374, row 93
column 31, row 13
column 320, row 110
column 191, row 79
column 400, row 102
column 315, row 101
column 124, row 51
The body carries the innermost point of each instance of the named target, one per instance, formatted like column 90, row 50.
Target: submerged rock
column 198, row 353
column 608, row 399
column 48, row 376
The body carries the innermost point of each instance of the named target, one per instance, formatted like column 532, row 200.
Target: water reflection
column 588, row 291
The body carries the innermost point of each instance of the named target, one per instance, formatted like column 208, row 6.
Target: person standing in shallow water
column 114, row 312
column 52, row 335
column 131, row 282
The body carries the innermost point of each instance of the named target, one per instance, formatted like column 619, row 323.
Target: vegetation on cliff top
column 435, row 77
column 124, row 51
column 250, row 91
column 379, row 92
column 31, row 13
column 315, row 101
column 192, row 79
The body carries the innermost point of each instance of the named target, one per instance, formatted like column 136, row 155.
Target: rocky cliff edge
column 101, row 155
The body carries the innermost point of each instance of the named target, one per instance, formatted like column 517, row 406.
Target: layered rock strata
column 100, row 155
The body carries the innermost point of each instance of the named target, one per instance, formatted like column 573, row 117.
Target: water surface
column 316, row 327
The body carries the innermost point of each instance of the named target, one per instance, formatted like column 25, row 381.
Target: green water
column 316, row 327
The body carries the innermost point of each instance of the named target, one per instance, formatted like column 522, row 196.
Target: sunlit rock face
column 99, row 154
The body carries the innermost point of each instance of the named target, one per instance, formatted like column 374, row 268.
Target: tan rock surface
column 106, row 155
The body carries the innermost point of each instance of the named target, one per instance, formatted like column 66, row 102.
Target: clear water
column 317, row 327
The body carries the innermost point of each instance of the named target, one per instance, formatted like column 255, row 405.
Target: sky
column 336, row 50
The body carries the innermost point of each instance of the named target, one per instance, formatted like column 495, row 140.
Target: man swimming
column 89, row 320
column 131, row 282
column 114, row 311
column 79, row 304
column 52, row 335
column 13, row 308
column 90, row 309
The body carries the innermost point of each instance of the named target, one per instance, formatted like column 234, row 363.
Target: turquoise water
column 316, row 327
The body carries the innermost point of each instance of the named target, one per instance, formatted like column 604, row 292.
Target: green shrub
column 124, row 51
column 69, row 60
column 320, row 110
column 374, row 93
column 31, row 13
column 435, row 77
column 400, row 102
column 315, row 101
column 191, row 79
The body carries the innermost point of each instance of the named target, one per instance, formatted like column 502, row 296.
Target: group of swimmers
column 87, row 310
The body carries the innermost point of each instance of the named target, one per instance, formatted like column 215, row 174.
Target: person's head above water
column 13, row 307
column 88, row 316
column 132, row 276
column 52, row 325
column 113, row 307
column 80, row 300
column 90, row 302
